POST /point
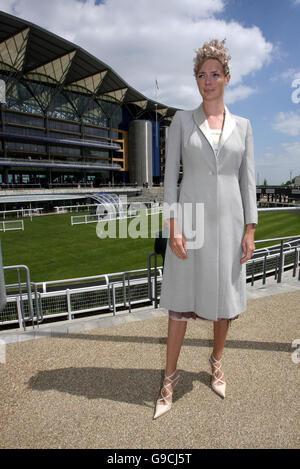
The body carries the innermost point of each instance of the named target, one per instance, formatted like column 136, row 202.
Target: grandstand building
column 67, row 118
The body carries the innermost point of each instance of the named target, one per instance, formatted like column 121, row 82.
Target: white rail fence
column 12, row 225
column 122, row 290
column 130, row 213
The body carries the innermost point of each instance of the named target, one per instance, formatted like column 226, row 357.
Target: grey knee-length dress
column 220, row 193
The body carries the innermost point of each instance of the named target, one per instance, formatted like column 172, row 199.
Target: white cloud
column 292, row 150
column 145, row 39
column 275, row 165
column 287, row 123
column 238, row 93
column 289, row 75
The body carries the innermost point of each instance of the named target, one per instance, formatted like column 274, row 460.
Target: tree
column 292, row 181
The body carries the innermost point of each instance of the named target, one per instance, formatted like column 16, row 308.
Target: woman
column 207, row 281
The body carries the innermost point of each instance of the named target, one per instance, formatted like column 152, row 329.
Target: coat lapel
column 202, row 123
column 229, row 126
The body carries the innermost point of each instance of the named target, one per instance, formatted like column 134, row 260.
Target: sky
column 148, row 40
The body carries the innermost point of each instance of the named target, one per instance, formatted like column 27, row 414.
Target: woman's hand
column 248, row 244
column 177, row 240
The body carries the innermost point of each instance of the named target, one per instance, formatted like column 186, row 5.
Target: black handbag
column 160, row 244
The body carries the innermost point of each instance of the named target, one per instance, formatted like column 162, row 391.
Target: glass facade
column 63, row 105
column 89, row 160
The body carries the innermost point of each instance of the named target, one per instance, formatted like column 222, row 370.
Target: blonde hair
column 213, row 49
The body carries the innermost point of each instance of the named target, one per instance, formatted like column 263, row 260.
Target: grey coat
column 210, row 281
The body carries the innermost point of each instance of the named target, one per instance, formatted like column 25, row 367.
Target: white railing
column 134, row 210
column 107, row 292
column 279, row 209
column 75, row 208
column 23, row 212
column 121, row 289
column 12, row 225
column 131, row 213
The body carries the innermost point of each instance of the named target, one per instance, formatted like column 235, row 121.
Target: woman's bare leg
column 176, row 333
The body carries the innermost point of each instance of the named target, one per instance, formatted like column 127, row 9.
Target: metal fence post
column 150, row 295
column 126, row 274
column 113, row 298
column 149, row 277
column 124, row 289
column 252, row 276
column 38, row 305
column 2, row 284
column 69, row 304
column 129, row 300
column 295, row 262
column 19, row 311
column 109, row 285
column 264, row 269
column 280, row 262
column 155, row 282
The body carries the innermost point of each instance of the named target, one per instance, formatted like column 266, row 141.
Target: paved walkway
column 93, row 383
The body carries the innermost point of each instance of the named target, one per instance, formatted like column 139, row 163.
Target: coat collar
column 202, row 123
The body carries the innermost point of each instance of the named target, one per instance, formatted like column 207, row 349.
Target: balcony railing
column 58, row 164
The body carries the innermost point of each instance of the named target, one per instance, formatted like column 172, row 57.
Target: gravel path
column 97, row 389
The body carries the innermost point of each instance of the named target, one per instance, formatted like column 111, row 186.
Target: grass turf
column 54, row 250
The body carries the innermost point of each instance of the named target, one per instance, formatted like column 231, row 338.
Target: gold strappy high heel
column 161, row 407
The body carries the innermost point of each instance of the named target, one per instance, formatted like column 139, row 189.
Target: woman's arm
column 170, row 205
column 247, row 180
column 248, row 244
column 248, row 193
column 172, row 166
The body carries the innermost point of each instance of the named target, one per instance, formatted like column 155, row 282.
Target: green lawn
column 276, row 225
column 54, row 250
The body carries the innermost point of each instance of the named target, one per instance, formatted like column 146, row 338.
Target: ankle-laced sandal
column 218, row 388
column 162, row 404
